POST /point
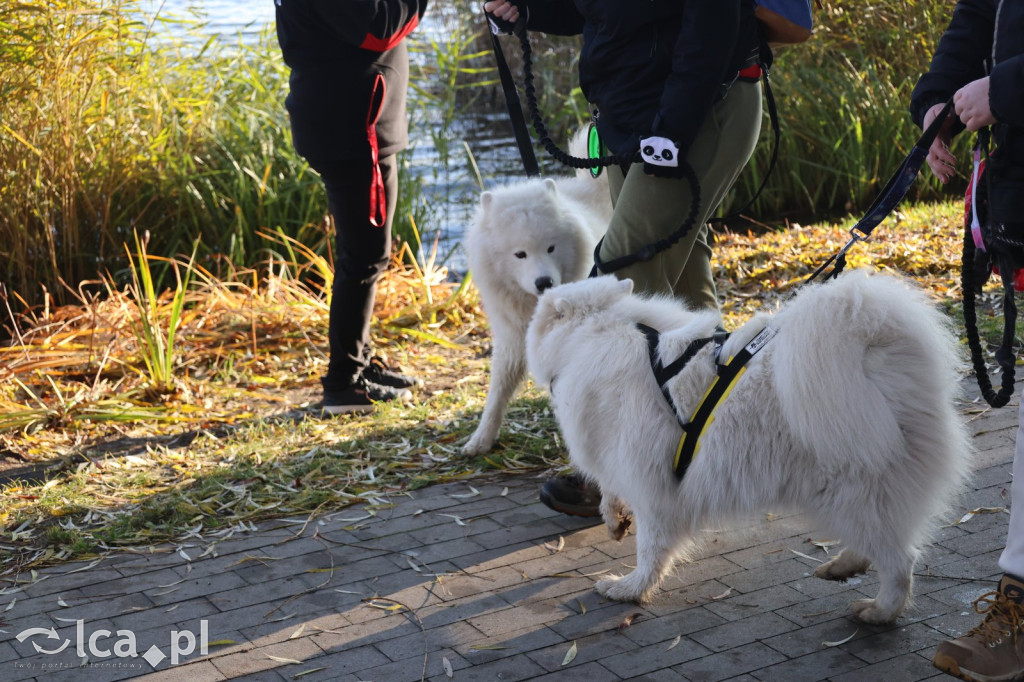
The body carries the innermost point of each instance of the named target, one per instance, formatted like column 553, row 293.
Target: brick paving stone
column 745, row 605
column 607, row 617
column 800, row 642
column 728, row 664
column 764, row 576
column 591, row 672
column 588, row 649
column 905, row 668
column 259, row 659
column 894, row 641
column 485, row 649
column 666, row 628
column 650, row 658
column 820, row 665
column 740, row 632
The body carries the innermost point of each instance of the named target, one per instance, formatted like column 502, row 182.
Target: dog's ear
column 562, row 307
column 626, row 286
column 550, row 186
column 485, row 200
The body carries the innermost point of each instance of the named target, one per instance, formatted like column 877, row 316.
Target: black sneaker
column 379, row 373
column 572, row 495
column 360, row 397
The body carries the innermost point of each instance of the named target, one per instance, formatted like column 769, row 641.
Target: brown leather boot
column 994, row 650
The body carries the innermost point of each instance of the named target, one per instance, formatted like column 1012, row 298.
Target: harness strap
column 663, row 374
column 728, row 375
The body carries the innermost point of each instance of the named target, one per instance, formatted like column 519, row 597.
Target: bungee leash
column 974, row 242
column 626, row 161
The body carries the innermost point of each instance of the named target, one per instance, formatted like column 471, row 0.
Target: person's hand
column 661, row 157
column 502, row 15
column 971, row 104
column 940, row 160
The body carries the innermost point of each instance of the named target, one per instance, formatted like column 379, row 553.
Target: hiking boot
column 360, row 397
column 994, row 650
column 572, row 495
column 379, row 373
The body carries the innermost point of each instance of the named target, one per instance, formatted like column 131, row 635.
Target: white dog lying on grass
column 846, row 414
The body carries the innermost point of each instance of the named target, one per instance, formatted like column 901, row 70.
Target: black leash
column 969, row 285
column 515, row 108
column 649, row 251
column 627, row 161
column 890, row 196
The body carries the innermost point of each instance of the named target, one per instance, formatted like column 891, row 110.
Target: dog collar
column 727, row 376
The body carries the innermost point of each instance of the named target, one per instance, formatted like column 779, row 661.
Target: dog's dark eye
column 551, row 249
column 520, row 254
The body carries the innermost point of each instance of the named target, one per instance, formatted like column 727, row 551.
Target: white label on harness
column 758, row 342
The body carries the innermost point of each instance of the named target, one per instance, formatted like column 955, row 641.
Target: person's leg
column 994, row 649
column 362, row 252
column 649, row 208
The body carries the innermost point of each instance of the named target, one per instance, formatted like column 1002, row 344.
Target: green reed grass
column 154, row 336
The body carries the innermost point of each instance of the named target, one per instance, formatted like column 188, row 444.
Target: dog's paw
column 477, row 446
column 842, row 567
column 617, row 517
column 867, row 611
column 621, row 589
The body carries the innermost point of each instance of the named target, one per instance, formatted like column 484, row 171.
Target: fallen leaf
column 842, row 641
column 806, row 556
column 570, row 654
column 675, row 643
column 723, row 595
column 307, row 672
column 447, row 667
column 297, row 633
column 279, row 659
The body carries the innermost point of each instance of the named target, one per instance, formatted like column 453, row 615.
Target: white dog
column 525, row 238
column 846, row 414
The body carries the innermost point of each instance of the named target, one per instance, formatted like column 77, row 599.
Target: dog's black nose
column 543, row 283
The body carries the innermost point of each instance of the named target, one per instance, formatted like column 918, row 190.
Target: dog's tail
column 894, row 362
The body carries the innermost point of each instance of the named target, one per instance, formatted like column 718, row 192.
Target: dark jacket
column 654, row 66
column 336, row 49
column 986, row 30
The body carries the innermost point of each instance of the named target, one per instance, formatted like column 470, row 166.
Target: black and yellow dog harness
column 727, row 376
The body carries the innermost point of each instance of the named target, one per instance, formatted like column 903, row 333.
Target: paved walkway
column 481, row 582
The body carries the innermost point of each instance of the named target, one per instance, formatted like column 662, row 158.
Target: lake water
column 450, row 187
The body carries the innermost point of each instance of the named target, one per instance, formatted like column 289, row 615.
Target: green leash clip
column 595, row 149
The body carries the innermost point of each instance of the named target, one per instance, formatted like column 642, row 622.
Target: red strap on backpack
column 378, row 200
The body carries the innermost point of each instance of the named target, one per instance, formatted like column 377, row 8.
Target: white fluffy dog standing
column 525, row 238
column 846, row 414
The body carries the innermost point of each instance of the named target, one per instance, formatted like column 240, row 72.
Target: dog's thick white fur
column 527, row 237
column 847, row 414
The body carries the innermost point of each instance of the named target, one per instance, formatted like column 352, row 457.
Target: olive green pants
column 649, row 208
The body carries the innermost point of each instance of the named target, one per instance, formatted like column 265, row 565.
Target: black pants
column 362, row 251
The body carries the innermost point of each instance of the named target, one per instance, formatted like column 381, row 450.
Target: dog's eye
column 551, row 249
column 520, row 254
